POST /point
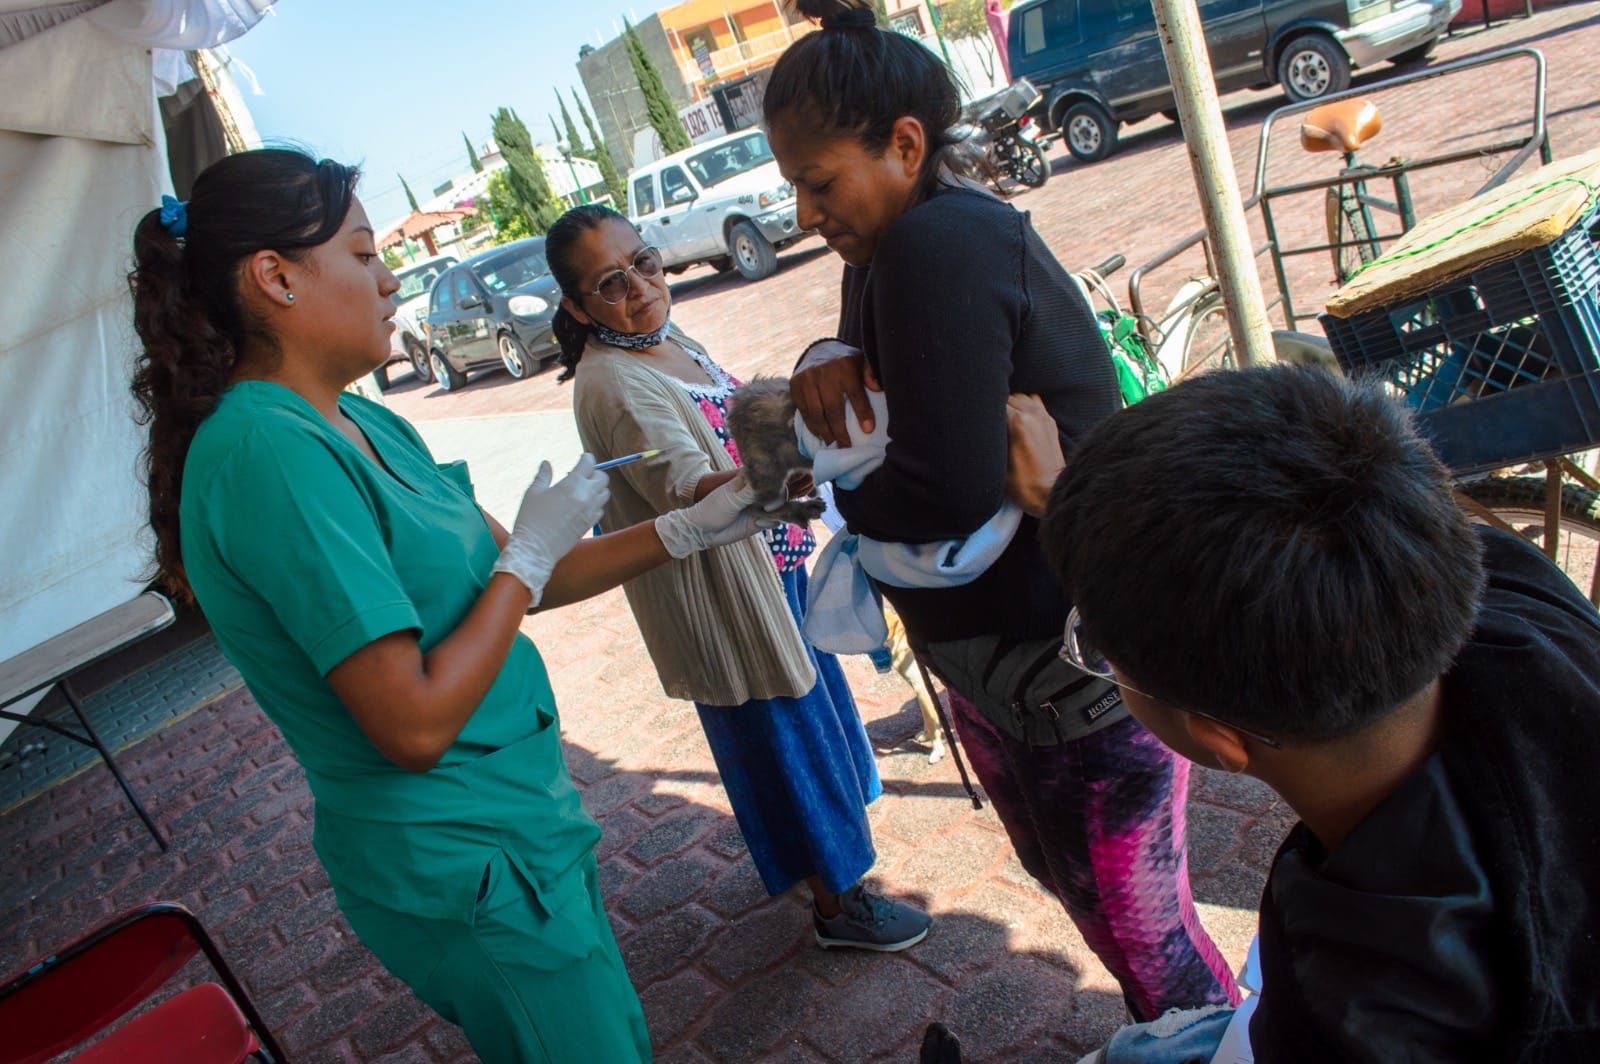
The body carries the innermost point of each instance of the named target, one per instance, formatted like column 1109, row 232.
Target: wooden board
column 1523, row 214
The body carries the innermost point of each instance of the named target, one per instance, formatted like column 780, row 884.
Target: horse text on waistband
column 1106, row 702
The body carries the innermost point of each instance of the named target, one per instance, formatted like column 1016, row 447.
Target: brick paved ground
column 725, row 973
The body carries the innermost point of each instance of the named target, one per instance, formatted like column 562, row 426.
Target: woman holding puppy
column 957, row 303
column 722, row 628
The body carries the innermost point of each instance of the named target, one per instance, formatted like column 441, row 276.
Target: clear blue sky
column 391, row 84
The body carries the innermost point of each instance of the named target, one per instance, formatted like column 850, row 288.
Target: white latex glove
column 552, row 519
column 714, row 521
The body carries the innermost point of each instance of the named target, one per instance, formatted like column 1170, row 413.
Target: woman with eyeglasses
column 373, row 608
column 722, row 628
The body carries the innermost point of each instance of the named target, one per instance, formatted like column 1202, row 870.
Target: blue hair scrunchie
column 174, row 216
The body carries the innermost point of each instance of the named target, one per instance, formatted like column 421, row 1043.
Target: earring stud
column 289, row 296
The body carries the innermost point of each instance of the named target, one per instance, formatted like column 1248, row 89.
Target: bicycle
column 1558, row 507
column 1139, row 374
column 1194, row 338
column 1344, row 126
column 1485, row 320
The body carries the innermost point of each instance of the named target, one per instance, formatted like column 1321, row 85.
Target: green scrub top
column 301, row 550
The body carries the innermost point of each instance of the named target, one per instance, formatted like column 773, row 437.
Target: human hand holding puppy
column 831, row 376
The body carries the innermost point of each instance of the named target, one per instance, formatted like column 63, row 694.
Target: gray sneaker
column 870, row 921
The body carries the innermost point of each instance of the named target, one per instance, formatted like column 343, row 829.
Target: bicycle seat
column 1342, row 126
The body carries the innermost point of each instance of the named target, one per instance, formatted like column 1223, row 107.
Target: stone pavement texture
column 725, row 973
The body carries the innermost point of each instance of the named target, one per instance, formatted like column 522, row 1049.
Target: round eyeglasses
column 1081, row 654
column 614, row 285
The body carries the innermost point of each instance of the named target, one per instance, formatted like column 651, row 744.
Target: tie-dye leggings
column 1098, row 821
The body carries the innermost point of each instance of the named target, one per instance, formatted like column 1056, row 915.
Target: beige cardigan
column 716, row 623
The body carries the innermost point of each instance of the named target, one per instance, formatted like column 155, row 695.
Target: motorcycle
column 1000, row 129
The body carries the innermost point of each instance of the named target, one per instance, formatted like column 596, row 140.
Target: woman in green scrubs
column 373, row 608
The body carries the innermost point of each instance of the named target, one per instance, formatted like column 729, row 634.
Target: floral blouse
column 790, row 544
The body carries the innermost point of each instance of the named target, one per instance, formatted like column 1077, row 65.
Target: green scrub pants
column 535, row 978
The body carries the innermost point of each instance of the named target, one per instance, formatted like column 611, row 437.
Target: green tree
column 602, row 155
column 657, row 104
column 574, row 141
column 962, row 20
column 392, row 259
column 881, row 9
column 504, row 207
column 409, row 197
column 472, row 154
column 530, row 191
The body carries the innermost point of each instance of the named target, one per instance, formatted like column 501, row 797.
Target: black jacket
column 1461, row 920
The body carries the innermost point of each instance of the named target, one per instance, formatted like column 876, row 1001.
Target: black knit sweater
column 963, row 305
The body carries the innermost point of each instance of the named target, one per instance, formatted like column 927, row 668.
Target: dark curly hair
column 854, row 79
column 188, row 313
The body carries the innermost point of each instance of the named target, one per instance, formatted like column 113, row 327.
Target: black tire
column 1312, row 67
column 722, row 265
column 419, row 360
column 1090, row 134
column 380, row 376
column 1519, row 502
column 1028, row 166
column 1419, row 54
column 753, row 254
column 448, row 376
column 514, row 356
column 1349, row 224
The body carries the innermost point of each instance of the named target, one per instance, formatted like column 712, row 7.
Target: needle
column 625, row 459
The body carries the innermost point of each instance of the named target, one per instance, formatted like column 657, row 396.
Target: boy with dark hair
column 1271, row 564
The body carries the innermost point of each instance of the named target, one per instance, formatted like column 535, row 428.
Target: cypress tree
column 409, row 197
column 472, row 155
column 574, row 141
column 525, row 173
column 602, row 155
column 657, row 104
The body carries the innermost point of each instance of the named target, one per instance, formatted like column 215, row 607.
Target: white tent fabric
column 81, row 159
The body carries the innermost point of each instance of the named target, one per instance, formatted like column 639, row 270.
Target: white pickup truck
column 721, row 201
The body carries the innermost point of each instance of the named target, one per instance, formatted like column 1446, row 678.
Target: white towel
column 844, row 615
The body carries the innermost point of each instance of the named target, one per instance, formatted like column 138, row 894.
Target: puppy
column 905, row 663
column 761, row 422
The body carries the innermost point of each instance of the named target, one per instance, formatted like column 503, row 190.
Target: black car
column 494, row 309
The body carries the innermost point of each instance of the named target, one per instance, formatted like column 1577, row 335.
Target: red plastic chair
column 68, row 997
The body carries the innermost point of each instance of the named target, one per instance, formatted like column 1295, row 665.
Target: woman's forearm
column 710, row 482
column 412, row 705
column 600, row 564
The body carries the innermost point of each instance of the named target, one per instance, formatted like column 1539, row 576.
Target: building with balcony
column 725, row 40
column 713, row 57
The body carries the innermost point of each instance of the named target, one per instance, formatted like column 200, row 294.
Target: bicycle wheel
column 1029, row 166
column 1349, row 231
column 1519, row 502
column 1208, row 344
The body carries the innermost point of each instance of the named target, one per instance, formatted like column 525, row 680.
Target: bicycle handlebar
column 1111, row 265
